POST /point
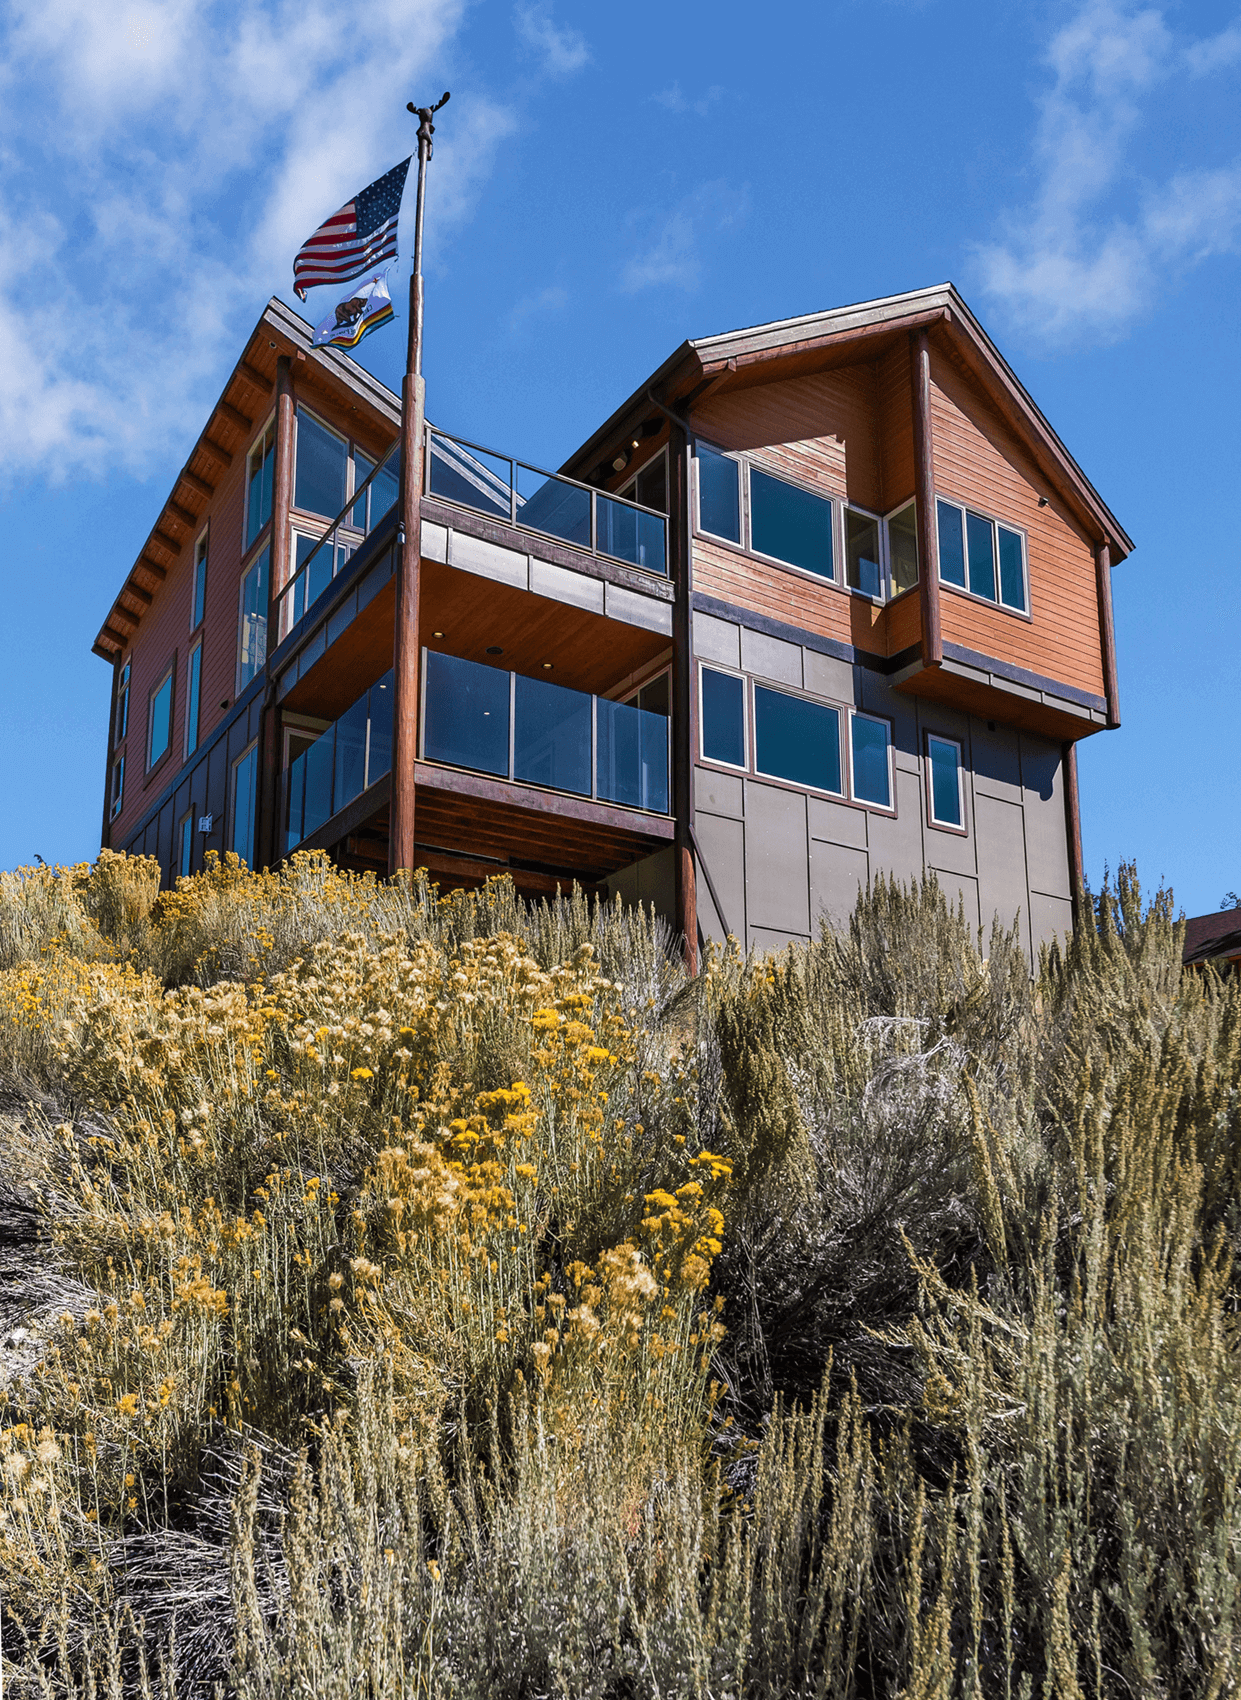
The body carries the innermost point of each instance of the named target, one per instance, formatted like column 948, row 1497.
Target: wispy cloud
column 562, row 50
column 1070, row 266
column 667, row 247
column 672, row 100
column 551, row 300
column 163, row 161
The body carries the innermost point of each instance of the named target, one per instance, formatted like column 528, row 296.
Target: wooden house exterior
column 823, row 598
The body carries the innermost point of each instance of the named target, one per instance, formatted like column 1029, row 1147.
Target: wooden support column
column 105, row 836
column 684, row 697
column 405, row 641
column 267, row 839
column 1107, row 633
column 1073, row 829
column 924, row 490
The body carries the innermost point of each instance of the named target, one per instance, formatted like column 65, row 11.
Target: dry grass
column 445, row 1298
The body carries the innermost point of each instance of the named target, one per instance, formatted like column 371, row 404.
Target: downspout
column 1073, row 830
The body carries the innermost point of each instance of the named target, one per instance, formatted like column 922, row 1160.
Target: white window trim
column 818, row 702
column 118, row 787
column 732, row 673
column 865, row 802
column 960, row 828
column 963, row 508
column 892, row 592
column 742, row 496
column 884, row 595
column 168, row 677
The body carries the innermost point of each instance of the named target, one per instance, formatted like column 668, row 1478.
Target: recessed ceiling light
column 494, row 649
column 437, row 634
column 547, row 666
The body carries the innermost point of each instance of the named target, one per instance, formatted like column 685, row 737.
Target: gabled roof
column 1208, row 936
column 243, row 403
column 815, row 342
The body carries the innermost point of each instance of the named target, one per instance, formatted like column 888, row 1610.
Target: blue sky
column 607, row 182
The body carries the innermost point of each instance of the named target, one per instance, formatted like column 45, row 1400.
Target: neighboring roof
column 815, row 341
column 1208, row 936
column 243, row 403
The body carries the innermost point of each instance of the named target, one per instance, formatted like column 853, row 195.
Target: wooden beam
column 680, row 565
column 1107, row 632
column 120, row 639
column 269, row 845
column 153, row 567
column 183, row 514
column 1073, row 830
column 165, row 542
column 405, row 659
column 252, row 375
column 185, row 476
column 234, row 416
column 213, row 451
column 924, row 490
column 831, row 342
column 136, row 590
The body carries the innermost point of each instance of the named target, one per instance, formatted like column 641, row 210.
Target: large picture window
column 796, row 739
column 252, row 638
column 981, row 555
column 790, row 524
column 322, row 468
column 159, row 720
column 260, row 469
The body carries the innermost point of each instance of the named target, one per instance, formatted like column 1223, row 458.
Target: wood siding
column 980, row 462
column 894, row 410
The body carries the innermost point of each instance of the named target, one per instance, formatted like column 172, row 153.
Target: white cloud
column 668, row 246
column 550, row 300
column 163, row 162
column 672, row 100
column 562, row 51
column 1071, row 265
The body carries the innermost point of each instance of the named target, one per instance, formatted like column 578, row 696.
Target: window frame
column 167, row 677
column 116, row 801
column 353, row 447
column 864, row 802
column 185, row 834
column 846, row 508
column 932, row 821
column 201, row 548
column 743, row 496
column 193, row 696
column 251, row 750
column 894, row 595
column 260, row 436
column 757, row 684
column 238, row 685
column 964, row 508
column 628, row 490
column 836, row 503
column 746, row 709
column 120, row 723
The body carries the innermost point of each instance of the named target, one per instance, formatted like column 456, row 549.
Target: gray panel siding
column 997, row 762
column 1043, row 795
column 837, row 823
column 722, row 843
column 837, row 871
column 777, row 872
column 770, row 657
column 896, row 840
column 1049, row 917
column 717, row 640
column 718, row 793
column 1002, row 887
column 960, row 889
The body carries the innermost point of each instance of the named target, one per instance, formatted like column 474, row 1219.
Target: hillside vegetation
column 405, row 1296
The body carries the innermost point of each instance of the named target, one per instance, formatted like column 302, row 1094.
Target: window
column 322, row 468
column 122, row 705
column 723, row 717
column 981, row 555
column 870, row 743
column 159, row 720
column 252, row 642
column 185, row 843
column 719, row 494
column 245, row 788
column 943, row 775
column 796, row 739
column 650, row 486
column 862, row 566
column 790, row 524
column 118, row 788
column 192, row 694
column 200, row 583
column 903, row 547
column 261, row 466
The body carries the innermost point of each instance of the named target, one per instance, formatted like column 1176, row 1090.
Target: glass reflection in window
column 862, row 552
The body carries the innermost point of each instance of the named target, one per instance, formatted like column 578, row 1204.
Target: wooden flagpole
column 409, row 541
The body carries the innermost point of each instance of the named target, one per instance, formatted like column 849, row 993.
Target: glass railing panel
column 379, row 752
column 470, row 476
column 319, row 759
column 466, row 716
column 385, row 487
column 551, row 736
column 631, row 534
column 349, row 780
column 553, row 505
column 632, row 761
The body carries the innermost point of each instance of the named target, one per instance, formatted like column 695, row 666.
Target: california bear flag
column 363, row 309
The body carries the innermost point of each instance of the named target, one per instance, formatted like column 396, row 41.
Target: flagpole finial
column 424, row 114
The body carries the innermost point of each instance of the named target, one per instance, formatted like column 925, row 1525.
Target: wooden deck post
column 405, row 659
column 267, row 837
column 1073, row 829
column 924, row 490
column 1107, row 633
column 680, row 560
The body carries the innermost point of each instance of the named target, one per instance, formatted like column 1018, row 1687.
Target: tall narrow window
column 185, row 844
column 943, row 763
column 245, row 777
column 796, row 739
column 252, row 641
column 903, row 548
column 862, row 553
column 258, row 484
column 951, row 544
column 790, row 524
column 322, row 464
column 122, row 705
column 980, row 543
column 719, row 495
column 159, row 720
column 192, row 693
column 118, row 788
column 363, row 466
column 200, row 583
column 1012, row 569
column 723, row 717
column 871, row 760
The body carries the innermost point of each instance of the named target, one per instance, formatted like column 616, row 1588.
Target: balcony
column 343, row 762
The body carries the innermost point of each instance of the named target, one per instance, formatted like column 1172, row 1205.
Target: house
column 822, row 598
column 1214, row 938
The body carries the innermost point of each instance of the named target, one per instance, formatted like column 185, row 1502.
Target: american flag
column 359, row 238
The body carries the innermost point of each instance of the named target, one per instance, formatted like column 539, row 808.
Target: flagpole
column 405, row 653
